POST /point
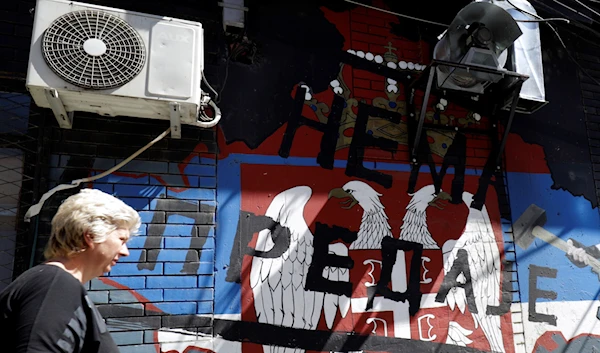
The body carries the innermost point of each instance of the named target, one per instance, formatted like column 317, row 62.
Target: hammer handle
column 557, row 242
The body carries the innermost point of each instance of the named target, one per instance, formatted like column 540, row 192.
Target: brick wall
column 21, row 132
column 369, row 34
column 168, row 277
column 15, row 37
column 173, row 186
column 590, row 90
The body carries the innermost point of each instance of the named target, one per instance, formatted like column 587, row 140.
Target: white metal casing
column 170, row 77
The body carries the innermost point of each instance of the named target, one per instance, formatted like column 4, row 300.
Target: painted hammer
column 529, row 226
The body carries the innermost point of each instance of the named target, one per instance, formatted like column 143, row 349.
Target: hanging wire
column 587, row 7
column 35, row 209
column 559, row 39
column 536, row 18
column 546, row 20
column 442, row 24
column 397, row 14
column 577, row 12
column 209, row 86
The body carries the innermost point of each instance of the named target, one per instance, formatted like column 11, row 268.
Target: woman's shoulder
column 45, row 275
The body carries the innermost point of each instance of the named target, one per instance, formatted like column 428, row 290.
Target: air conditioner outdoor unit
column 117, row 63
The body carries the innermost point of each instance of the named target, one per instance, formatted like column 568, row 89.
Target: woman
column 47, row 308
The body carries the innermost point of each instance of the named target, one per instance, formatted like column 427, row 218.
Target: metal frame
column 515, row 86
column 175, row 119
column 64, row 118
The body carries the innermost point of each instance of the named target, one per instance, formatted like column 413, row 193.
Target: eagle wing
column 278, row 283
column 334, row 301
column 479, row 242
column 414, row 224
column 374, row 227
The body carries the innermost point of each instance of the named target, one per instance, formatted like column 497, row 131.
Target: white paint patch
column 392, row 88
column 572, row 319
column 233, row 317
column 179, row 342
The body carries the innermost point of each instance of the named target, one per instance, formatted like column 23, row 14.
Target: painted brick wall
column 15, row 37
column 170, row 280
column 168, row 277
column 590, row 90
column 370, row 36
column 173, row 186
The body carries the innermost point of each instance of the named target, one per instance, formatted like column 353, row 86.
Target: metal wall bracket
column 233, row 13
column 176, row 117
column 516, row 81
column 64, row 118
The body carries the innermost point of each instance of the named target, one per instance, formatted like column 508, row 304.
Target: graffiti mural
column 355, row 258
column 330, row 240
column 169, row 272
column 312, row 230
column 558, row 265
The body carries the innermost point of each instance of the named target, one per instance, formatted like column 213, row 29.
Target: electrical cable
column 232, row 53
column 572, row 9
column 587, row 7
column 537, row 19
column 573, row 23
column 397, row 14
column 575, row 60
column 585, row 28
column 225, row 78
column 560, row 40
column 524, row 11
column 441, row 24
column 35, row 209
column 582, row 35
column 582, row 38
column 546, row 20
column 209, row 86
column 237, row 51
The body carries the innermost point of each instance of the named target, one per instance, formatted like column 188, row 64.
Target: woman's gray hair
column 90, row 212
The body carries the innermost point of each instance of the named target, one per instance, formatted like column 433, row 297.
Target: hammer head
column 522, row 228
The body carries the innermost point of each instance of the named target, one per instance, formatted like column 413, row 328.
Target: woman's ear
column 89, row 241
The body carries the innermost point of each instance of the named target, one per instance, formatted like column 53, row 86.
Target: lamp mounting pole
column 422, row 114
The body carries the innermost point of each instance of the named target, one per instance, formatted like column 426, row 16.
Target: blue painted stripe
column 196, row 294
column 312, row 162
column 131, row 269
column 177, row 308
column 172, row 282
column 228, row 199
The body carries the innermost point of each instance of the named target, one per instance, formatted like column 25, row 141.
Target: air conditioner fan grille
column 93, row 49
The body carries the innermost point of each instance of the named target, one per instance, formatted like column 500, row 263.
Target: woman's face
column 103, row 256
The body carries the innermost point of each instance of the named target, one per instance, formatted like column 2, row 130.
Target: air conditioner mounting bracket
column 175, row 120
column 64, row 118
